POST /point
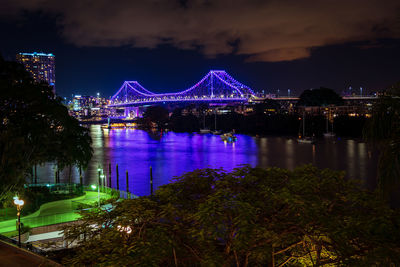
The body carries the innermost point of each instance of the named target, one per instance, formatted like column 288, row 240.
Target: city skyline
column 361, row 51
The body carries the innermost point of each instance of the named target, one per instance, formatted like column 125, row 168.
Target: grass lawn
column 53, row 212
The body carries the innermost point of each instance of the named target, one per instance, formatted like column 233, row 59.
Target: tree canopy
column 35, row 128
column 156, row 114
column 383, row 131
column 247, row 217
column 319, row 97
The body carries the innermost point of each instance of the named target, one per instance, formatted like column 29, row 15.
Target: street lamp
column 19, row 203
column 93, row 186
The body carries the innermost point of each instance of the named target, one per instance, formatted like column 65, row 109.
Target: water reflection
column 171, row 154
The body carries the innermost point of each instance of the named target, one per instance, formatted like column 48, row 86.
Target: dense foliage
column 247, row 217
column 35, row 128
column 383, row 131
column 155, row 117
column 319, row 97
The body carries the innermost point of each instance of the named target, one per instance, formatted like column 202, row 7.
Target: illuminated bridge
column 217, row 87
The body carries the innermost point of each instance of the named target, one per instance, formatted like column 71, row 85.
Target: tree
column 183, row 123
column 383, row 132
column 156, row 114
column 35, row 128
column 319, row 97
column 247, row 217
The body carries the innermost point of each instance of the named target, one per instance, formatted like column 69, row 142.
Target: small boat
column 305, row 139
column 228, row 137
column 216, row 132
column 205, row 131
column 328, row 133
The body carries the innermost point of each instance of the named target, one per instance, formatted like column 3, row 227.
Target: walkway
column 53, row 212
column 13, row 256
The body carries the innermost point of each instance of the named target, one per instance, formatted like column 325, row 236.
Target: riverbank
column 264, row 124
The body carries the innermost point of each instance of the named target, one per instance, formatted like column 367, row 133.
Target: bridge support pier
column 131, row 112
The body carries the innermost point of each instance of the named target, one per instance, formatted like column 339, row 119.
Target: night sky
column 169, row 45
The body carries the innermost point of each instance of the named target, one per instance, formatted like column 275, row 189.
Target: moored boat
column 205, row 131
column 305, row 139
column 228, row 137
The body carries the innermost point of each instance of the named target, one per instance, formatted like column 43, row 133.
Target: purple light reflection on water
column 173, row 154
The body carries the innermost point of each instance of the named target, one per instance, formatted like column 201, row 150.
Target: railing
column 51, row 219
column 60, row 188
column 65, row 188
column 112, row 192
column 177, row 99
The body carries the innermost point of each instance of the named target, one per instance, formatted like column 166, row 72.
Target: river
column 172, row 154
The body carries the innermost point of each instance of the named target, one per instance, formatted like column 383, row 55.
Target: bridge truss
column 216, row 86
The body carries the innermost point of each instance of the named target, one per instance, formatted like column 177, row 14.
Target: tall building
column 41, row 66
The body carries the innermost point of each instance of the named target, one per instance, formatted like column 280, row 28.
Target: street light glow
column 19, row 202
column 126, row 229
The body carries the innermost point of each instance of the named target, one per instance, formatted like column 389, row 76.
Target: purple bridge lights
column 217, row 86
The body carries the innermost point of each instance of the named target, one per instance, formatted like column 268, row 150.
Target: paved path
column 53, row 212
column 45, row 236
column 16, row 257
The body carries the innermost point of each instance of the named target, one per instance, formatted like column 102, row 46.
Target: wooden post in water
column 35, row 174
column 127, row 185
column 116, row 167
column 151, row 181
column 55, row 176
column 109, row 175
column 58, row 174
column 80, row 175
column 32, row 175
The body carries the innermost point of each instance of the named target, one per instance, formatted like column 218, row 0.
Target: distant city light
column 37, row 54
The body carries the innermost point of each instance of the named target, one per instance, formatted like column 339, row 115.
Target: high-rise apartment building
column 40, row 65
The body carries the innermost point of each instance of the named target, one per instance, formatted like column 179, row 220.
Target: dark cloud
column 276, row 30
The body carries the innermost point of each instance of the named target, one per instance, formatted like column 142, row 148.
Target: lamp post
column 93, row 186
column 19, row 203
